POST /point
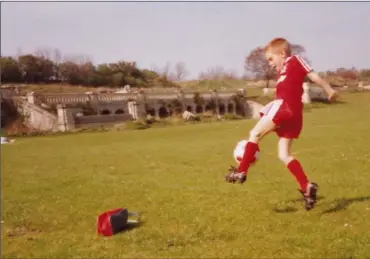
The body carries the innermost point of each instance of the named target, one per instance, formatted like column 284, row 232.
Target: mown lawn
column 54, row 187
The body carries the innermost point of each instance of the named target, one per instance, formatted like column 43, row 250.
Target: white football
column 239, row 151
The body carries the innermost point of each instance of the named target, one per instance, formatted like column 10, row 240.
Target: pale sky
column 203, row 35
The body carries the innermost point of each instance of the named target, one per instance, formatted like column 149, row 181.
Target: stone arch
column 231, row 108
column 105, row 112
column 239, row 109
column 222, row 108
column 208, row 107
column 198, row 109
column 150, row 111
column 120, row 111
column 163, row 112
column 211, row 106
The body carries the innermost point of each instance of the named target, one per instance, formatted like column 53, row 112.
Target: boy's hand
column 332, row 95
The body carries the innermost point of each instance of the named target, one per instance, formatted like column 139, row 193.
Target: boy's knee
column 285, row 158
column 282, row 157
column 255, row 135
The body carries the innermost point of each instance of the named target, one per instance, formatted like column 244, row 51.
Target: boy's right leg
column 272, row 114
column 261, row 129
column 264, row 126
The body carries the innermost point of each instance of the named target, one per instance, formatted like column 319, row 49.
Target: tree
column 47, row 65
column 69, row 73
column 298, row 49
column 348, row 75
column 364, row 74
column 180, row 71
column 257, row 64
column 35, row 69
column 10, row 72
column 87, row 73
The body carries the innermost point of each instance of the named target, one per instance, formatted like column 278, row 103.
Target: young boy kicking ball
column 284, row 115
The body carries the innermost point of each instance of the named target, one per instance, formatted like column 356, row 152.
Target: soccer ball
column 239, row 152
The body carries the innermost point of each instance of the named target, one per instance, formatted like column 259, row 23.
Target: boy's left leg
column 308, row 189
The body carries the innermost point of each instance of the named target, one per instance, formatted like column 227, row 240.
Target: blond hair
column 279, row 45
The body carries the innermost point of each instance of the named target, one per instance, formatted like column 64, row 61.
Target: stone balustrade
column 116, row 97
column 134, row 105
column 65, row 98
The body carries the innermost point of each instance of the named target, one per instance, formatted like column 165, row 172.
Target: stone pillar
column 203, row 108
column 140, row 105
column 156, row 108
column 194, row 108
column 234, row 108
column 243, row 91
column 226, row 104
column 93, row 98
column 66, row 120
column 217, row 102
column 181, row 98
column 360, row 84
column 132, row 109
column 217, row 108
column 31, row 97
column 306, row 93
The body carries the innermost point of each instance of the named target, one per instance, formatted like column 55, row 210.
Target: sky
column 200, row 34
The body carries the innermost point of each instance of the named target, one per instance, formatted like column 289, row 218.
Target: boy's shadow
column 289, row 209
column 337, row 205
column 343, row 203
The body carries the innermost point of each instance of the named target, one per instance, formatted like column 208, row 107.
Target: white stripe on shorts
column 272, row 108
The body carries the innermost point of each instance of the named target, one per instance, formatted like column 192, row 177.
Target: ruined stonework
column 63, row 112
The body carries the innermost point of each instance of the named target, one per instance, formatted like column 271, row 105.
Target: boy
column 284, row 115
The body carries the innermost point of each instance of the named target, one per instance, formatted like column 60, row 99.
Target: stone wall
column 37, row 118
column 97, row 121
column 310, row 93
column 63, row 112
column 140, row 104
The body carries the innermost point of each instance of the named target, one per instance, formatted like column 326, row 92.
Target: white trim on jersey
column 304, row 64
column 287, row 59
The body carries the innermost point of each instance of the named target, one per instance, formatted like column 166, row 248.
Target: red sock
column 296, row 169
column 250, row 150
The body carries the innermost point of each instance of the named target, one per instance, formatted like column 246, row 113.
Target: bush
column 137, row 125
column 150, row 119
column 232, row 117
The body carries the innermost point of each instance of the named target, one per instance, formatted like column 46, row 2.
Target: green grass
column 54, row 187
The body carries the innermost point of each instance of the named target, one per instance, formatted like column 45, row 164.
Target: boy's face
column 275, row 59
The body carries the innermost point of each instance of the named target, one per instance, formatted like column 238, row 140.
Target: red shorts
column 288, row 123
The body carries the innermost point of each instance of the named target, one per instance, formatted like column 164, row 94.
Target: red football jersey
column 289, row 86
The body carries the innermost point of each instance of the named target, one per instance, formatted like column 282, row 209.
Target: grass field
column 53, row 188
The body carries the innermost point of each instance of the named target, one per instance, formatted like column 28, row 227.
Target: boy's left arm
column 332, row 94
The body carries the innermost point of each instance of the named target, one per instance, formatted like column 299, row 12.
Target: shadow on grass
column 284, row 210
column 342, row 204
column 301, row 199
column 131, row 226
column 289, row 209
column 325, row 101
